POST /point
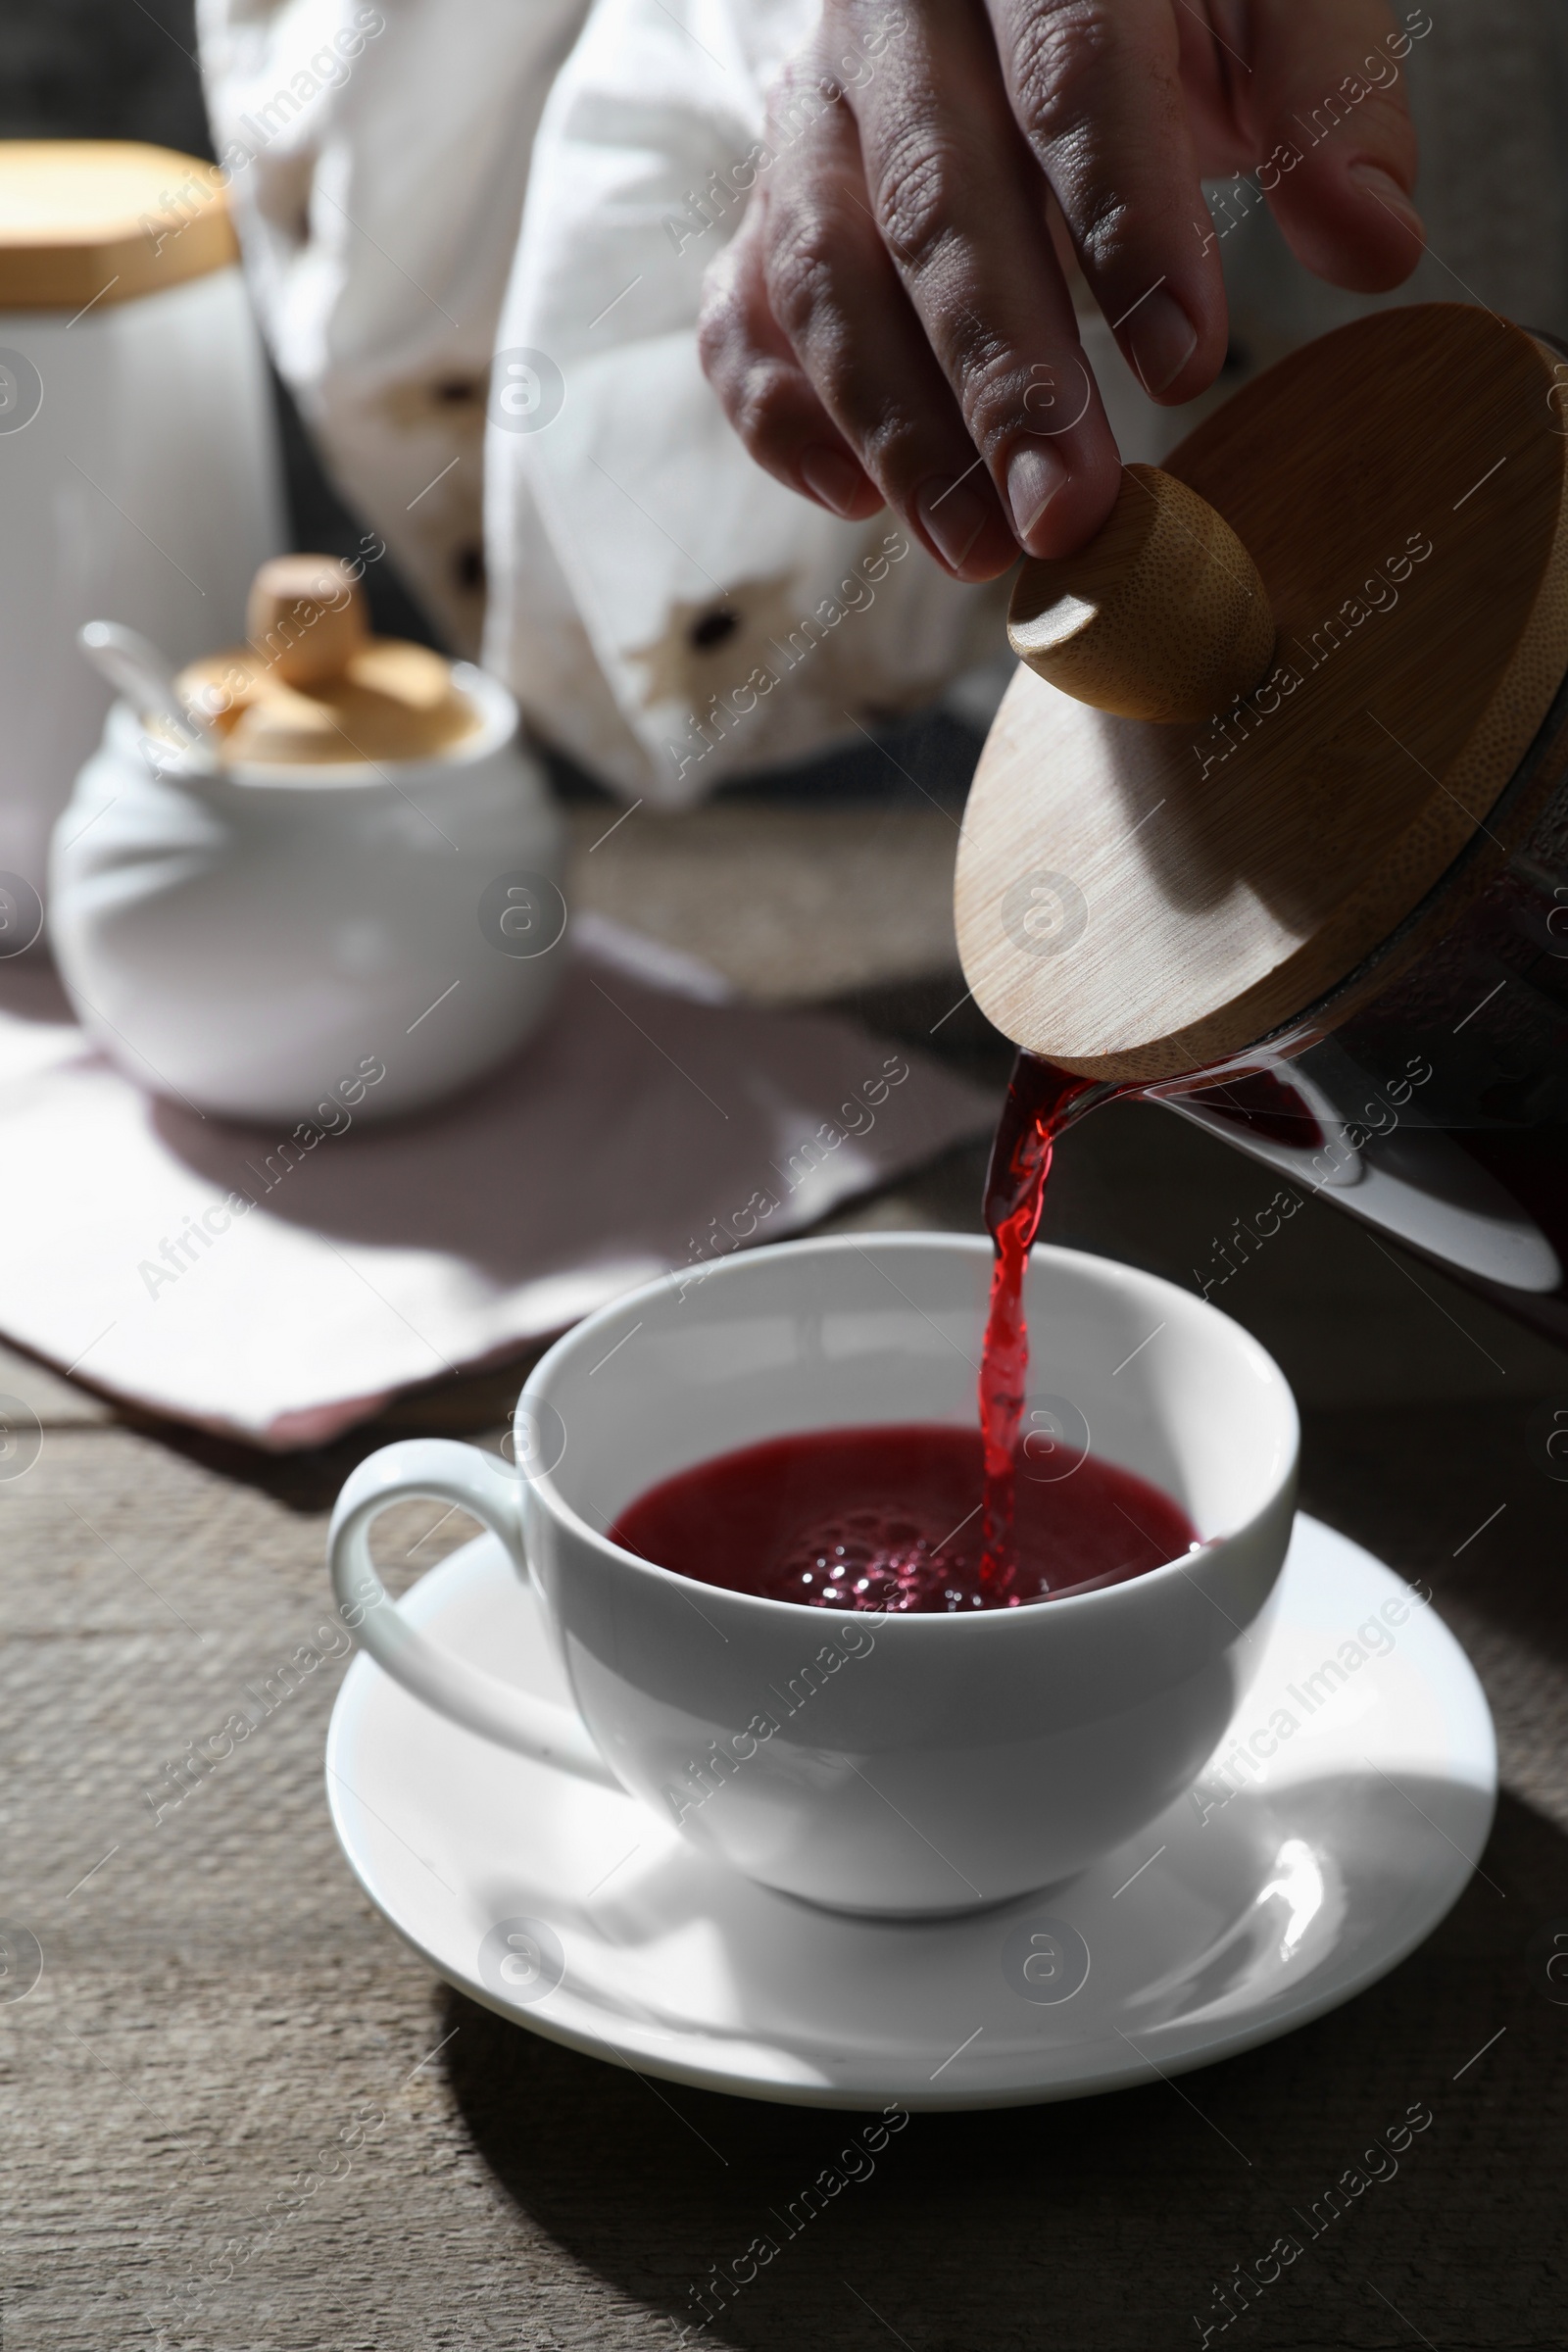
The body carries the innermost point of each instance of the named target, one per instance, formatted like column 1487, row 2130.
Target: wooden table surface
column 219, row 2006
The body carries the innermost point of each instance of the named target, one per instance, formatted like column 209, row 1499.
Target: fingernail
column 1386, row 190
column 954, row 511
column 1035, row 473
column 1162, row 338
column 830, row 476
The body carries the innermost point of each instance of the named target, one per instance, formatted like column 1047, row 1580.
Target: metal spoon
column 145, row 678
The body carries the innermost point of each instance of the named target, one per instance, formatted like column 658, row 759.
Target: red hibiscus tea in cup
column 894, row 1518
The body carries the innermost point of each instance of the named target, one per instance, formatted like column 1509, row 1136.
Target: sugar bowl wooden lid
column 1215, row 813
column 101, row 220
column 312, row 687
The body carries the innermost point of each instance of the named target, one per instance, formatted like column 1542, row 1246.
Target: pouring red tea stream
column 926, row 1516
column 1039, row 1105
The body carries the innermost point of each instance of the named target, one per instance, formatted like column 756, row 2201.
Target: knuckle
column 993, row 393
column 1070, row 67
column 894, row 444
column 721, row 333
column 1105, row 229
column 798, row 266
column 915, row 193
column 1059, row 57
column 756, row 391
column 763, row 404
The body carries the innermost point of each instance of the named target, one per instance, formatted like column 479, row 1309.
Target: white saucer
column 577, row 1912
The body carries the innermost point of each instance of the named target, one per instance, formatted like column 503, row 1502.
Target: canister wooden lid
column 101, row 220
column 1140, row 896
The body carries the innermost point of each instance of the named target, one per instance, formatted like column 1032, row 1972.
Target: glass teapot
column 1273, row 824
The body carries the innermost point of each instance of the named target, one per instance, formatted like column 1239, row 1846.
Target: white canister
column 248, row 941
column 139, row 478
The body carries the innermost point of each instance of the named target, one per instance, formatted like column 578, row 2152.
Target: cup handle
column 438, row 1470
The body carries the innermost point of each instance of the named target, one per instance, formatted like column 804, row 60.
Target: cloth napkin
column 222, row 1276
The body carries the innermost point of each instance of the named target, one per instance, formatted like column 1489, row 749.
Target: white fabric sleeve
column 377, row 158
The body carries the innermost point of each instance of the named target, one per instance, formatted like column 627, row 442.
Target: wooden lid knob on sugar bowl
column 312, row 685
column 1265, row 713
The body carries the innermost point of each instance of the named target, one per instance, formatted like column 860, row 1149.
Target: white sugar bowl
column 251, row 939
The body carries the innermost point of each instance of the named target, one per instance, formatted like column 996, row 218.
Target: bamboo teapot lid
column 311, row 685
column 1264, row 712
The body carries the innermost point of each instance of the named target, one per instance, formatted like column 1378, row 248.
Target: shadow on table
column 1105, row 2222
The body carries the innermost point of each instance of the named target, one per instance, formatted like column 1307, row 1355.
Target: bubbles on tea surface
column 876, row 1557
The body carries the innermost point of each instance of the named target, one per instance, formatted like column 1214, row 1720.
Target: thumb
column 1326, row 104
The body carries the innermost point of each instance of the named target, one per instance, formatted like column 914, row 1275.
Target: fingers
column 960, row 212
column 1326, row 102
column 893, row 302
column 1095, row 88
column 814, row 338
column 764, row 389
column 836, row 295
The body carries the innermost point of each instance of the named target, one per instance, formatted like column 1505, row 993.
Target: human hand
column 896, row 299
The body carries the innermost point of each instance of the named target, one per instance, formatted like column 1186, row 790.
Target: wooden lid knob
column 1162, row 615
column 313, row 687
column 306, row 618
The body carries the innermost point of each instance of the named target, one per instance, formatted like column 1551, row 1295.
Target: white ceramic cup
column 899, row 1765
